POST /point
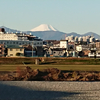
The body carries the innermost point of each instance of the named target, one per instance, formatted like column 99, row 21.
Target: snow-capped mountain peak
column 44, row 27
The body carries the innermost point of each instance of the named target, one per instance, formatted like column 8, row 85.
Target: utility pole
column 74, row 50
column 32, row 49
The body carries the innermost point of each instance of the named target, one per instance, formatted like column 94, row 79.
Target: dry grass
column 61, row 67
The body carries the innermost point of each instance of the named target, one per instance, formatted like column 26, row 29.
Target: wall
column 14, row 51
column 8, row 37
column 63, row 44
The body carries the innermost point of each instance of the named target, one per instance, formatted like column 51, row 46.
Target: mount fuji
column 44, row 27
column 47, row 32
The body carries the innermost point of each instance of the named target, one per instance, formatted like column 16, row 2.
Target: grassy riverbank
column 79, row 64
column 61, row 67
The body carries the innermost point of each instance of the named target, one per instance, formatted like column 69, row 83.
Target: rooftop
column 13, row 46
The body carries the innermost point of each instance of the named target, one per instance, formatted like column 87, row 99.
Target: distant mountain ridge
column 51, row 35
column 9, row 30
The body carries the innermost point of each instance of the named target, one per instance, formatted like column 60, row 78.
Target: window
column 20, row 49
column 10, row 42
column 19, row 43
column 40, row 43
column 13, row 42
column 16, row 42
column 10, row 49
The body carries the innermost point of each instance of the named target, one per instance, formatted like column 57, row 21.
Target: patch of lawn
column 83, row 64
column 61, row 67
column 69, row 67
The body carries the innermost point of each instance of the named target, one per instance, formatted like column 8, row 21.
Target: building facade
column 19, row 39
column 15, row 51
column 63, row 44
column 2, row 50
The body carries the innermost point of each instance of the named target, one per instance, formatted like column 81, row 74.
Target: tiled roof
column 13, row 46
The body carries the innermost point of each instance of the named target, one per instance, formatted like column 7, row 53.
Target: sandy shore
column 44, row 90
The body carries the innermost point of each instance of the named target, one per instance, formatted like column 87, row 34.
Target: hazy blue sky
column 79, row 16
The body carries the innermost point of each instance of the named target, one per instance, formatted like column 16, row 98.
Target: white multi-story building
column 63, row 44
column 84, row 39
column 76, row 39
column 10, row 36
column 80, row 39
column 19, row 39
column 92, row 39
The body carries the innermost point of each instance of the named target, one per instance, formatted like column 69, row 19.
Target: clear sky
column 79, row 16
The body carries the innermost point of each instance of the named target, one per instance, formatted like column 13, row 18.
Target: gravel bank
column 44, row 90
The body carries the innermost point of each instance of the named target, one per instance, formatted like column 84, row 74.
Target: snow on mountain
column 51, row 34
column 44, row 27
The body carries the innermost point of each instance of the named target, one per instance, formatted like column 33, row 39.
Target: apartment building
column 14, row 51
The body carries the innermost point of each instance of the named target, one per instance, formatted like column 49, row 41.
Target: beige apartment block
column 15, row 51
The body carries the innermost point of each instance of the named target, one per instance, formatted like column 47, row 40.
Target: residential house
column 56, row 44
column 64, row 44
column 56, row 52
column 14, row 51
column 33, row 51
column 29, row 51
